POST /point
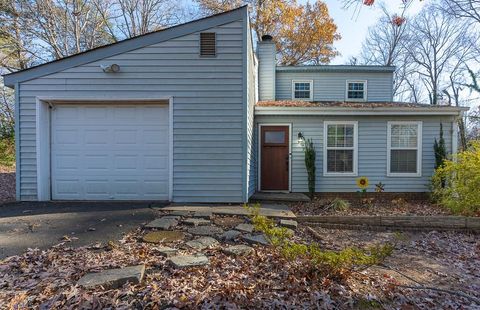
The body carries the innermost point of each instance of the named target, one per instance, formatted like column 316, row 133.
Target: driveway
column 41, row 225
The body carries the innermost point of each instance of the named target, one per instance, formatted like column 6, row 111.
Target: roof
column 335, row 68
column 126, row 45
column 284, row 107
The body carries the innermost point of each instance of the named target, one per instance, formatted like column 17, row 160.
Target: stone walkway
column 185, row 239
column 270, row 210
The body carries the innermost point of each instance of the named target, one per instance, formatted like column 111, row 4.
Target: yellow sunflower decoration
column 362, row 182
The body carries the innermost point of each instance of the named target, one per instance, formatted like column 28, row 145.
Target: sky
column 353, row 26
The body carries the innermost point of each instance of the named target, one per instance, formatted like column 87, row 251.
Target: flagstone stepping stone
column 186, row 261
column 256, row 239
column 229, row 221
column 203, row 214
column 205, row 230
column 179, row 213
column 203, row 243
column 230, row 235
column 165, row 222
column 167, row 251
column 245, row 227
column 163, row 236
column 238, row 250
column 289, row 224
column 196, row 222
column 113, row 278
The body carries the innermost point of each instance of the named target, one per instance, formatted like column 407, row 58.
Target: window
column 357, row 90
column 274, row 137
column 302, row 90
column 207, row 44
column 340, row 148
column 404, row 143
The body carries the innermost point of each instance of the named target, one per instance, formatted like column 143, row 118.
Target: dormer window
column 208, row 44
column 302, row 90
column 356, row 91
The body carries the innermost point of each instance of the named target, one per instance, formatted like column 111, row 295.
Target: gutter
column 359, row 111
column 336, row 68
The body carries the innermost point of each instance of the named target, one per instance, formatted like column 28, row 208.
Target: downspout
column 455, row 135
column 17, row 142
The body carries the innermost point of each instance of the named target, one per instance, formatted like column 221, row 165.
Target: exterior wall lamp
column 301, row 138
column 113, row 68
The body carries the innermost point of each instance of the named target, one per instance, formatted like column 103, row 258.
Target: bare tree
column 130, row 18
column 437, row 40
column 385, row 45
column 469, row 9
column 7, row 119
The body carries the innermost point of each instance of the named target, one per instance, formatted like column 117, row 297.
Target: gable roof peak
column 126, row 45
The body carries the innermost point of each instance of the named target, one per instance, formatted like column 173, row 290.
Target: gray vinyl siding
column 372, row 152
column 331, row 86
column 208, row 109
column 251, row 100
column 266, row 70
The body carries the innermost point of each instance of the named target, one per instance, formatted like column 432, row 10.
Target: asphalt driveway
column 41, row 225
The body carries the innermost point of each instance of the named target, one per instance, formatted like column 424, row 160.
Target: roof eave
column 359, row 111
column 124, row 46
column 336, row 68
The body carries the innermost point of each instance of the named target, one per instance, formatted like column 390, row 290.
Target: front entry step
column 265, row 196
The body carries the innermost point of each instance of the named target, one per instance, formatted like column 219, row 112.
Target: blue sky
column 353, row 26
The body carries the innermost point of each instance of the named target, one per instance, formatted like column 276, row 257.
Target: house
column 192, row 114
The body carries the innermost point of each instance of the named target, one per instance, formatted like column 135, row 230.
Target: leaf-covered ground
column 319, row 206
column 450, row 261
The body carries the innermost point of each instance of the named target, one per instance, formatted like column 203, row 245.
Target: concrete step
column 265, row 196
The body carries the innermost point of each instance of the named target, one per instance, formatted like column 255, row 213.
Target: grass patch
column 7, row 152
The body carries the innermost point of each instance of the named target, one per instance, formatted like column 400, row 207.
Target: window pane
column 355, row 94
column 403, row 161
column 356, row 90
column 302, row 90
column 340, row 135
column 404, row 135
column 275, row 137
column 340, row 161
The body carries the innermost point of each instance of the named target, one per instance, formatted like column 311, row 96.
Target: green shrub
column 310, row 156
column 331, row 263
column 461, row 177
column 7, row 152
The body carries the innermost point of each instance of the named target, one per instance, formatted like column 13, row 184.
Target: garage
column 109, row 151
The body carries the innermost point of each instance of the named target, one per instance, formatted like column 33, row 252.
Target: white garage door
column 104, row 152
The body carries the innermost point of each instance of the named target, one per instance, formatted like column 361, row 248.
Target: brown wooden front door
column 274, row 158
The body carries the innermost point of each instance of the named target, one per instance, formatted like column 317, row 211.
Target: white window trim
column 302, row 81
column 418, row 148
column 355, row 148
column 365, row 90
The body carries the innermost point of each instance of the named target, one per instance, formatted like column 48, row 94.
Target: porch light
column 301, row 138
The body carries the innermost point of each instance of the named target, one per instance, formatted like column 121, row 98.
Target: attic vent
column 207, row 44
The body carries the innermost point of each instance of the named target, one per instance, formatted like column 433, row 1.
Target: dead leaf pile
column 46, row 279
column 319, row 206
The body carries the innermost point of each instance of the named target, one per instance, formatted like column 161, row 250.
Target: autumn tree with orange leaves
column 304, row 34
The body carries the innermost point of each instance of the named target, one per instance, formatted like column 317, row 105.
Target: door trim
column 42, row 128
column 259, row 154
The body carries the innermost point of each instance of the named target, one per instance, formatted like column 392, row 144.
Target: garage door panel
column 110, row 152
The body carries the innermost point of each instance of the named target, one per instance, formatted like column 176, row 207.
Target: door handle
column 286, row 162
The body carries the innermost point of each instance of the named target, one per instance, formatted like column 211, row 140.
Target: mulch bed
column 7, row 184
column 320, row 206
